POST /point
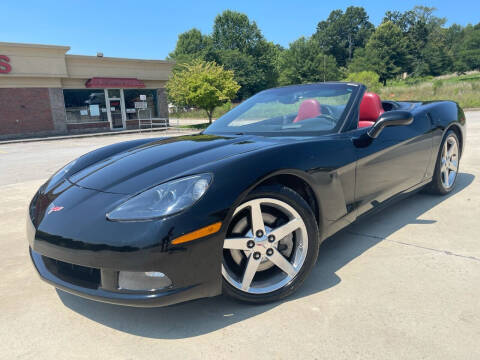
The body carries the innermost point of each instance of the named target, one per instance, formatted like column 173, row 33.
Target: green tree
column 234, row 31
column 385, row 53
column 304, row 62
column 201, row 84
column 453, row 38
column 239, row 45
column 344, row 32
column 243, row 66
column 426, row 40
column 369, row 78
column 469, row 51
column 360, row 62
column 436, row 57
column 191, row 45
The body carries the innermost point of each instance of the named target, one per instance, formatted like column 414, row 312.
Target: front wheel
column 271, row 245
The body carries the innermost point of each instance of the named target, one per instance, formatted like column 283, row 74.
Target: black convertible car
column 242, row 207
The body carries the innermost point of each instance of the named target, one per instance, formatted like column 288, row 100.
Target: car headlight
column 59, row 175
column 163, row 200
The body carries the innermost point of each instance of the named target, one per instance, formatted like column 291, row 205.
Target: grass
column 464, row 89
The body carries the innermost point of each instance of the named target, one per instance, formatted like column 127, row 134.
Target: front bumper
column 79, row 237
column 114, row 296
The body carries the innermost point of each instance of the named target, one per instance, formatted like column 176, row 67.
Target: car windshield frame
column 220, row 126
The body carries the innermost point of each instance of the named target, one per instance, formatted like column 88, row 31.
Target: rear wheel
column 446, row 168
column 271, row 245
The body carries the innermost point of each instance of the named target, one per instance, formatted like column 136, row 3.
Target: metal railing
column 147, row 122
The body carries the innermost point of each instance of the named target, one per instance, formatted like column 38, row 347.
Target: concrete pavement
column 404, row 283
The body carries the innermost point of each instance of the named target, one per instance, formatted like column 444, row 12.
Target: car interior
column 371, row 108
column 308, row 109
column 312, row 114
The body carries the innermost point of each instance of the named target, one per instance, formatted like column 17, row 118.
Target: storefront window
column 140, row 104
column 114, row 93
column 85, row 105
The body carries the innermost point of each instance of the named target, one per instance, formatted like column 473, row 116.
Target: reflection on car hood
column 153, row 163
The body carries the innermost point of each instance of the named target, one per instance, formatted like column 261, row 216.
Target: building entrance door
column 115, row 108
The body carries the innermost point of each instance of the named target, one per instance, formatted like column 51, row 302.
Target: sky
column 149, row 29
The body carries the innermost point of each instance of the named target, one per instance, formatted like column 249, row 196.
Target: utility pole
column 324, row 67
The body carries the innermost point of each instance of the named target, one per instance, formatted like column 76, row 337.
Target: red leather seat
column 370, row 109
column 308, row 109
column 362, row 124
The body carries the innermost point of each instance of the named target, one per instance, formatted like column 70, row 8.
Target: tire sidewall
column 293, row 199
column 437, row 185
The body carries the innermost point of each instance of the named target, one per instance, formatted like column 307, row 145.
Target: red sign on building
column 5, row 67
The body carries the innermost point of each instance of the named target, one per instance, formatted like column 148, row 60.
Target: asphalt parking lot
column 404, row 283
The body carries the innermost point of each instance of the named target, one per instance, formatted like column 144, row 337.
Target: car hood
column 139, row 168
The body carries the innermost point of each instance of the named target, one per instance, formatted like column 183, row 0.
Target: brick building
column 44, row 91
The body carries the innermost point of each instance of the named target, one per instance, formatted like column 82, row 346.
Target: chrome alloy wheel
column 449, row 162
column 269, row 250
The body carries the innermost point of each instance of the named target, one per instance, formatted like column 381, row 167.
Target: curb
column 79, row 136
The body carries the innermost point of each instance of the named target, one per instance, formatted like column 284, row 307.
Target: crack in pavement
column 445, row 252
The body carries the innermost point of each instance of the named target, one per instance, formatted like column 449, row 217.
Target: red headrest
column 309, row 108
column 370, row 107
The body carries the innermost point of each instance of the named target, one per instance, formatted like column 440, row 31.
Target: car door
column 393, row 162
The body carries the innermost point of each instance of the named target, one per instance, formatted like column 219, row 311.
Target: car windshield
column 300, row 109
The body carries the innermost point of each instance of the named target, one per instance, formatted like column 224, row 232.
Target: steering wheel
column 326, row 109
column 328, row 117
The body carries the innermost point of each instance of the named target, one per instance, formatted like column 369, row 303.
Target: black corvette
column 242, row 207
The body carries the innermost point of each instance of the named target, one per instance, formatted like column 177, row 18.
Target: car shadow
column 206, row 315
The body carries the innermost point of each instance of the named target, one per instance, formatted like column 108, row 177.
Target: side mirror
column 390, row 118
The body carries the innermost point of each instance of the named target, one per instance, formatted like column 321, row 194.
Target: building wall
column 25, row 111
column 31, row 93
column 33, row 61
column 80, row 67
column 88, row 127
column 49, row 66
column 162, row 103
column 57, row 105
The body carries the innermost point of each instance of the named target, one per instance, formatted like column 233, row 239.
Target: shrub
column 201, row 84
column 369, row 78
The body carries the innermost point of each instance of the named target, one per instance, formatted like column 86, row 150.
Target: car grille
column 74, row 274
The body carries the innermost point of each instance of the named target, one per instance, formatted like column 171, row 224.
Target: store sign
column 140, row 105
column 113, row 83
column 5, row 67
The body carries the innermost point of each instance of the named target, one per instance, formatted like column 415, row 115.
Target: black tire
column 293, row 199
column 436, row 186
